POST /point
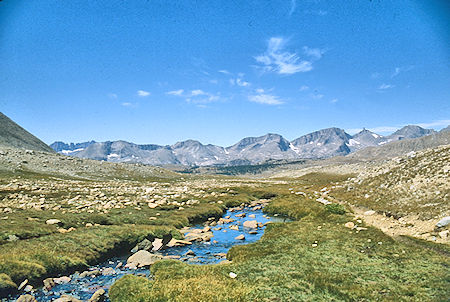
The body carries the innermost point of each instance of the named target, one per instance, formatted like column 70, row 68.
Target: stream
column 213, row 251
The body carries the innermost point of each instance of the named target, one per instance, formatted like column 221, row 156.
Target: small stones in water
column 240, row 237
column 190, row 253
column 62, row 280
column 28, row 288
column 232, row 275
column 66, row 298
column 108, row 271
column 26, row 298
column 234, row 227
column 252, row 224
column 98, row 296
column 48, row 283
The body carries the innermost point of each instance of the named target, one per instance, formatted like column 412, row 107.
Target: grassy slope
column 284, row 266
column 42, row 251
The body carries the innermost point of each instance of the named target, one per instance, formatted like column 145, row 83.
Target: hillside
column 12, row 135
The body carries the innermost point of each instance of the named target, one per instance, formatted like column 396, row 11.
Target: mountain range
column 320, row 144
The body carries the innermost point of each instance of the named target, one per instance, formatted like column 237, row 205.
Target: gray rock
column 443, row 222
column 98, row 296
column 142, row 259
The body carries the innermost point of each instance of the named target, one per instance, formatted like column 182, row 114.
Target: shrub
column 335, row 208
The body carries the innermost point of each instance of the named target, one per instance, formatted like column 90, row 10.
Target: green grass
column 346, row 265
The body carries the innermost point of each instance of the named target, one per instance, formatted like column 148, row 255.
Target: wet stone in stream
column 216, row 240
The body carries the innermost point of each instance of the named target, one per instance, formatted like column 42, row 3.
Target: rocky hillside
column 12, row 135
column 402, row 147
column 320, row 144
column 418, row 183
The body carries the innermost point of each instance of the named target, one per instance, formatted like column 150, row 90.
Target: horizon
column 162, row 72
column 226, row 146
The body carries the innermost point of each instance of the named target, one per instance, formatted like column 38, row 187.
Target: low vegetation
column 315, row 257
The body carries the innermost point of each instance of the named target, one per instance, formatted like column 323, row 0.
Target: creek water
column 205, row 253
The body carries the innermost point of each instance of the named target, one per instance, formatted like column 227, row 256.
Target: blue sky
column 163, row 71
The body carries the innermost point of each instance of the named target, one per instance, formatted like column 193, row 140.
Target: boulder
column 144, row 245
column 176, row 242
column 62, row 280
column 443, row 222
column 23, row 284
column 157, row 244
column 349, row 225
column 53, row 221
column 108, row 271
column 234, row 227
column 444, row 234
column 232, row 275
column 252, row 224
column 240, row 237
column 141, row 259
column 26, row 298
column 98, row 296
column 48, row 283
column 66, row 298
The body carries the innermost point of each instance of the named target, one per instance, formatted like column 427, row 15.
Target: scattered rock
column 12, row 238
column 232, row 275
column 252, row 224
column 144, row 245
column 157, row 244
column 190, row 253
column 62, row 280
column 349, row 225
column 53, row 221
column 443, row 222
column 48, row 283
column 369, row 213
column 26, row 298
column 141, row 259
column 234, row 227
column 28, row 288
column 240, row 237
column 98, row 296
column 66, row 298
column 22, row 285
column 108, row 271
column 444, row 234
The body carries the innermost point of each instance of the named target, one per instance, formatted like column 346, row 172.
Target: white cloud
column 178, row 92
column 127, row 104
column 375, row 75
column 224, row 71
column 293, row 7
column 315, row 53
column 386, row 86
column 143, row 93
column 399, row 70
column 213, row 81
column 334, row 101
column 264, row 98
column 438, row 123
column 276, row 59
column 198, row 92
column 113, row 96
column 304, row 88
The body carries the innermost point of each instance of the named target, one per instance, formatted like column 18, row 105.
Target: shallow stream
column 204, row 253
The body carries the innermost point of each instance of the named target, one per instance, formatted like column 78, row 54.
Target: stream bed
column 105, row 274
